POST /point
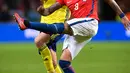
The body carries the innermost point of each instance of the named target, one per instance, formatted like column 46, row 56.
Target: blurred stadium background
column 109, row 51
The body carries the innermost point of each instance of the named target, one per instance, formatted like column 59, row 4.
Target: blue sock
column 52, row 43
column 65, row 65
column 57, row 38
column 43, row 27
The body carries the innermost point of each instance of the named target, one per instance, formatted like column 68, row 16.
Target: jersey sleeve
column 61, row 1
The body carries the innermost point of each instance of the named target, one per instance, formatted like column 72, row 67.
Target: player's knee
column 64, row 64
column 38, row 43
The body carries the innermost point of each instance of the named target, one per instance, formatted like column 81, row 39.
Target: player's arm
column 116, row 7
column 47, row 11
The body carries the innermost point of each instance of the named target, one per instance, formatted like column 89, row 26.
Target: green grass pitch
column 96, row 57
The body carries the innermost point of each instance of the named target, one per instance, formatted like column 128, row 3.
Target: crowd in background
column 27, row 8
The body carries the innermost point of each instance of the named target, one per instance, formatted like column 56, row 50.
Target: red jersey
column 82, row 8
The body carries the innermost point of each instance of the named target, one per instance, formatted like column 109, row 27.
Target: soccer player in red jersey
column 81, row 27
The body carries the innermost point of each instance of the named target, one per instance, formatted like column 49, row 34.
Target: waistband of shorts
column 80, row 20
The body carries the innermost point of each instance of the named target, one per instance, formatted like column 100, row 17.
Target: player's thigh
column 42, row 38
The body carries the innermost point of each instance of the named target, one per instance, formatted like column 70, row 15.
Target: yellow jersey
column 59, row 16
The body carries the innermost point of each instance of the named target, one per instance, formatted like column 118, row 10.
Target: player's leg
column 53, row 28
column 73, row 44
column 65, row 62
column 66, row 58
column 52, row 47
column 71, row 48
column 55, row 64
column 40, row 42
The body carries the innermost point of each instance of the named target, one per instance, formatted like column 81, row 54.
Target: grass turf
column 96, row 57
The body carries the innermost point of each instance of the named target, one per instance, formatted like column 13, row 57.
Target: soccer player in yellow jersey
column 41, row 41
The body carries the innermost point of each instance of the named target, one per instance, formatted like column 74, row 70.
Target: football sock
column 55, row 39
column 53, row 28
column 52, row 45
column 66, row 66
column 47, row 60
column 57, row 69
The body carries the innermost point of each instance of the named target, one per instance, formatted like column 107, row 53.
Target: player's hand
column 40, row 9
column 42, row 1
column 126, row 22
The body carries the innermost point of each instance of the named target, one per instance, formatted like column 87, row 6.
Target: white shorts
column 84, row 29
